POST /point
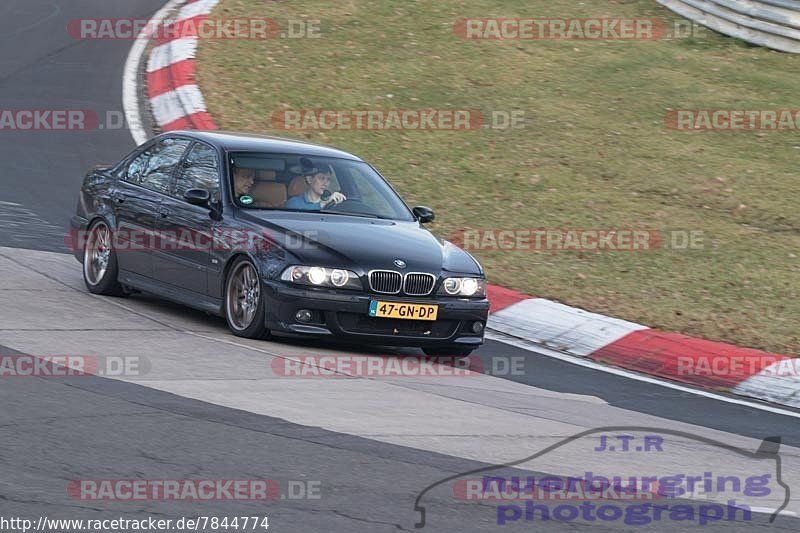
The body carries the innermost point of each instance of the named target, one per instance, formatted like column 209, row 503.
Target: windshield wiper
column 323, row 212
column 351, row 214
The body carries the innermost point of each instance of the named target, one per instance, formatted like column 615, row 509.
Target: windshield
column 288, row 182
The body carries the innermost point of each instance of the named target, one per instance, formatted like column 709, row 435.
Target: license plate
column 403, row 310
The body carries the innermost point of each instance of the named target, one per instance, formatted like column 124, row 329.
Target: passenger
column 243, row 181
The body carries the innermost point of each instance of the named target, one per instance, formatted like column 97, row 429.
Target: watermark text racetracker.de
column 124, row 240
column 60, row 120
column 578, row 239
column 133, row 490
column 200, row 27
column 376, row 367
column 60, row 366
column 575, row 29
column 738, row 367
column 737, row 120
column 461, row 120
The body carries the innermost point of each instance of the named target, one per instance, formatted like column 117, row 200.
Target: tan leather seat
column 297, row 186
column 268, row 194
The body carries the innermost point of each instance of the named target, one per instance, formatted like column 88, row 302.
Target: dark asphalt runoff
column 57, row 430
column 54, row 431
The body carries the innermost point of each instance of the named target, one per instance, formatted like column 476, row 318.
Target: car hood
column 363, row 243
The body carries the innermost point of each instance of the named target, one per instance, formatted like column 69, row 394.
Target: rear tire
column 449, row 351
column 100, row 267
column 244, row 303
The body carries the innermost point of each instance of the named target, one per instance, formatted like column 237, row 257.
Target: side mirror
column 199, row 197
column 424, row 214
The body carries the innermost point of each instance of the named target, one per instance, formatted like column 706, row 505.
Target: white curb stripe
column 779, row 383
column 172, row 52
column 202, row 7
column 560, row 326
column 181, row 102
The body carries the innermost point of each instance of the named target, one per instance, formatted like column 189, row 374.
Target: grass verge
column 594, row 152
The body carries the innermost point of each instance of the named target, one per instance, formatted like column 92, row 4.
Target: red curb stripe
column 708, row 364
column 169, row 78
column 178, row 75
column 500, row 297
column 196, row 121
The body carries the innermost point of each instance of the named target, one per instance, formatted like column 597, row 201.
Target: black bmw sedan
column 279, row 237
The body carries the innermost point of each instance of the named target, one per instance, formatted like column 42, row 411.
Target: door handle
column 119, row 198
column 164, row 213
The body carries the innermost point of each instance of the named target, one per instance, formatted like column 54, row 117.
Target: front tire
column 100, row 267
column 449, row 351
column 244, row 301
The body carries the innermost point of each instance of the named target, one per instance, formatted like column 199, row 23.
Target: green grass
column 594, row 152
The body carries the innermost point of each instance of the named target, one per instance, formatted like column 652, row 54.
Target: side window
column 136, row 168
column 164, row 157
column 200, row 171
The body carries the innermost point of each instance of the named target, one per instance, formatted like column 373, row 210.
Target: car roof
column 249, row 142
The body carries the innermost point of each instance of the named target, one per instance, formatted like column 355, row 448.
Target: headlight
column 463, row 287
column 339, row 277
column 317, row 275
column 322, row 277
column 469, row 286
column 452, row 286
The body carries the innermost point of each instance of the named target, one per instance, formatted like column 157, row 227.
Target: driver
column 317, row 183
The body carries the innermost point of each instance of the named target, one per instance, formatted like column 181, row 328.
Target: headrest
column 297, row 186
column 239, row 172
column 265, row 175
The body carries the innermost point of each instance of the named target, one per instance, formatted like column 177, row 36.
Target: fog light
column 304, row 315
column 477, row 327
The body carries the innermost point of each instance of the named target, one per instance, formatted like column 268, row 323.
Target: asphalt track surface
column 200, row 418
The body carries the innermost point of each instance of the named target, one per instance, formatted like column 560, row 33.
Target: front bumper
column 344, row 315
